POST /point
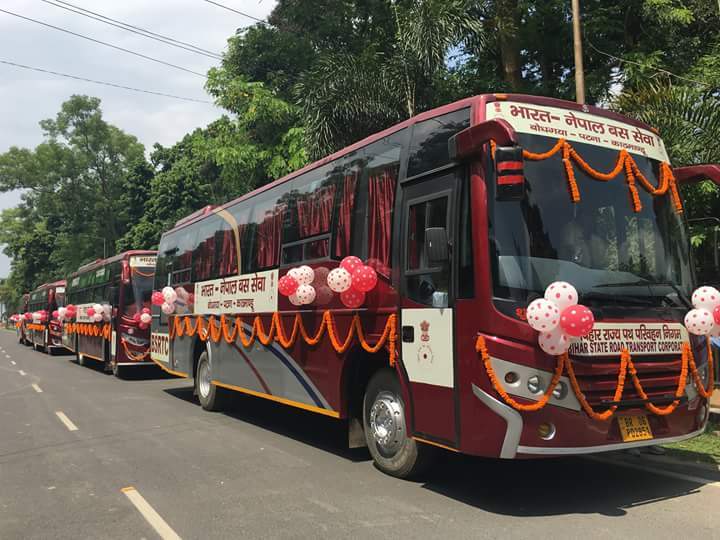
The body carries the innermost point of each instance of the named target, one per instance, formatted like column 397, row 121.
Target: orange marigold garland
column 183, row 326
column 625, row 163
column 626, row 366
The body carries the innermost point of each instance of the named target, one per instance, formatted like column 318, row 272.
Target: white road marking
column 65, row 420
column 670, row 474
column 7, row 356
column 13, row 362
column 148, row 512
column 21, row 372
column 37, row 388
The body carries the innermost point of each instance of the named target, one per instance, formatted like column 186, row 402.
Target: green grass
column 704, row 448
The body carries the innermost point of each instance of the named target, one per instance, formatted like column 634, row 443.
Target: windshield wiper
column 647, row 283
column 618, row 298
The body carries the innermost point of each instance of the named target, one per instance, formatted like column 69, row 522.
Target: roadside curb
column 714, row 414
column 667, row 460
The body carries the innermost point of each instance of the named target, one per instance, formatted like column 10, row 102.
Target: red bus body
column 45, row 333
column 449, row 399
column 122, row 285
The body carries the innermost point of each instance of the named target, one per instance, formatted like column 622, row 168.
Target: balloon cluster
column 559, row 318
column 39, row 316
column 171, row 300
column 143, row 318
column 99, row 312
column 28, row 316
column 704, row 320
column 351, row 280
column 66, row 313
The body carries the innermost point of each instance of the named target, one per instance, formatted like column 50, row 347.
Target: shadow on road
column 522, row 488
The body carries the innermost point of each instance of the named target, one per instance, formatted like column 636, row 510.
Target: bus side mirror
column 697, row 173
column 436, row 245
column 509, row 173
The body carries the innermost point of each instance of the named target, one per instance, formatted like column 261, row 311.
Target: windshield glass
column 137, row 294
column 609, row 252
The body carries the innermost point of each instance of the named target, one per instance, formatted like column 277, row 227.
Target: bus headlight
column 560, row 390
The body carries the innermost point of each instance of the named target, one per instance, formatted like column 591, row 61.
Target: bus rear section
column 108, row 299
column 43, row 329
column 463, row 223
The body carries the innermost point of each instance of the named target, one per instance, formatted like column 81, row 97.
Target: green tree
column 73, row 187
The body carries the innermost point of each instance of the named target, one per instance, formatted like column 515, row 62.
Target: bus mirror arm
column 697, row 173
column 470, row 141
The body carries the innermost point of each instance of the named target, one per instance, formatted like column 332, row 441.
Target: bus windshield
column 610, row 253
column 138, row 292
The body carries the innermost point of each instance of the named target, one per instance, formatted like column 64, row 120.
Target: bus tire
column 209, row 395
column 393, row 450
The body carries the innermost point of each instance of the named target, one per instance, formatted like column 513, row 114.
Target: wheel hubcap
column 387, row 423
column 204, row 379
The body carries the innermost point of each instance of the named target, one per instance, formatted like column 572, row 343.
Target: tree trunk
column 508, row 22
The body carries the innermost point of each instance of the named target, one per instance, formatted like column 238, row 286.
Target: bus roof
column 475, row 102
column 119, row 257
column 50, row 285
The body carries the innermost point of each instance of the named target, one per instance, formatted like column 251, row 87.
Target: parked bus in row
column 20, row 329
column 42, row 330
column 388, row 285
column 108, row 298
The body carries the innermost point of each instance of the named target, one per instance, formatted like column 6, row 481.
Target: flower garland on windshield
column 625, row 163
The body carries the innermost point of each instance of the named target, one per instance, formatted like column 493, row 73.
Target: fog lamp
column 560, row 391
column 511, row 377
column 546, row 431
column 535, row 384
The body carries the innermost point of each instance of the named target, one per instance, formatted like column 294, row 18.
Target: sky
column 26, row 97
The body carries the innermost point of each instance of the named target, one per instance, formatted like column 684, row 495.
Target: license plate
column 634, row 428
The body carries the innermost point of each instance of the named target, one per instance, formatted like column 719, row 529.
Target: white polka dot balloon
column 305, row 294
column 543, row 315
column 305, row 274
column 555, row 342
column 294, row 300
column 562, row 293
column 699, row 322
column 706, row 298
column 339, row 280
column 704, row 320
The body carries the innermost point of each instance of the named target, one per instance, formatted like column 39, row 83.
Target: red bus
column 109, row 297
column 466, row 214
column 21, row 319
column 43, row 331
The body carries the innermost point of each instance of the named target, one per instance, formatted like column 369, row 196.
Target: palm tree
column 346, row 97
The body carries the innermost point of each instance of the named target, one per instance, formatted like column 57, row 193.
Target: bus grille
column 659, row 376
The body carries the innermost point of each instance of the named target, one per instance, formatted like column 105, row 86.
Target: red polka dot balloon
column 562, row 293
column 543, row 315
column 351, row 263
column 287, row 285
column 364, row 279
column 55, row 314
column 352, row 298
column 577, row 321
column 706, row 298
column 716, row 315
column 699, row 322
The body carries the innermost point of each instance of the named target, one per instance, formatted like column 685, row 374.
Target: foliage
column 73, row 184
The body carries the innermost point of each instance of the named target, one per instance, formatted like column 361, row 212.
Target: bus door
column 426, row 318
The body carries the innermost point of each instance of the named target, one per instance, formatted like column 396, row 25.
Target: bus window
column 425, row 284
column 429, row 148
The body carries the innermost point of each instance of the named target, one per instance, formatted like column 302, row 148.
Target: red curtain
column 268, row 237
column 344, row 220
column 227, row 264
column 381, row 191
column 315, row 215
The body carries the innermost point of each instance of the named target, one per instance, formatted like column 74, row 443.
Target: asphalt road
column 264, row 470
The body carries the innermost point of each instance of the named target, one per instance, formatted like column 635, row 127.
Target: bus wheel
column 210, row 396
column 393, row 451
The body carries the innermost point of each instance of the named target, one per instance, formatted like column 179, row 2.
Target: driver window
column 426, row 283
